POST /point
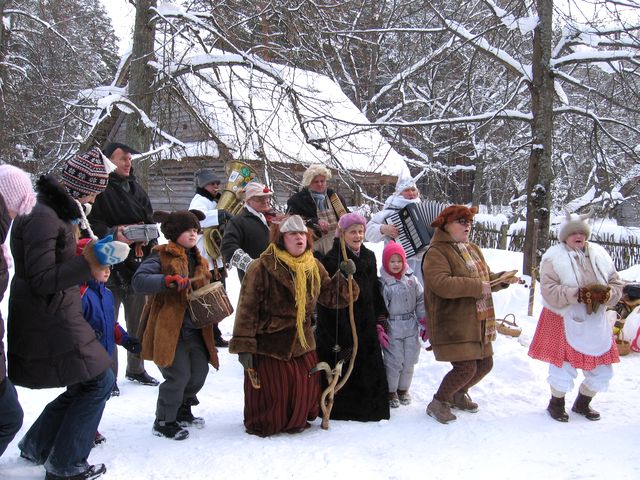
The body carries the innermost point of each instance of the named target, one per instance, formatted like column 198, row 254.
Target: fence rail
column 624, row 254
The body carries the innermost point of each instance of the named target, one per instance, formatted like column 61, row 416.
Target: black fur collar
column 53, row 194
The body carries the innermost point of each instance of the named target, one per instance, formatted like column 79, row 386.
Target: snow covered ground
column 510, row 437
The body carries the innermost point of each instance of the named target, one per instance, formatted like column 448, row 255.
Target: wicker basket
column 209, row 304
column 508, row 327
column 624, row 346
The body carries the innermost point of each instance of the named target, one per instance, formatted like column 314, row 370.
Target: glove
column 424, row 330
column 132, row 344
column 347, row 267
column 176, row 281
column 593, row 296
column 383, row 338
column 246, row 360
column 223, row 217
column 109, row 251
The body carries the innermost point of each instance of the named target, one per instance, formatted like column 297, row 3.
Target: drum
column 209, row 304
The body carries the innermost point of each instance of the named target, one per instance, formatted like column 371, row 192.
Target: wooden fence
column 624, row 254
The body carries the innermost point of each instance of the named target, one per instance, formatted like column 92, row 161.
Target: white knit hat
column 405, row 180
column 574, row 223
column 16, row 189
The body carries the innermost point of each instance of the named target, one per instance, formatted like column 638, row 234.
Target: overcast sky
column 123, row 16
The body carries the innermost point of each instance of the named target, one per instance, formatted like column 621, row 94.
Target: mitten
column 132, row 344
column 600, row 293
column 424, row 330
column 383, row 338
column 177, row 281
column 246, row 359
column 347, row 267
column 109, row 251
column 223, row 217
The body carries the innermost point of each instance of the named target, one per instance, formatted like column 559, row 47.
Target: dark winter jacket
column 365, row 395
column 247, row 232
column 5, row 223
column 266, row 315
column 302, row 203
column 98, row 310
column 166, row 316
column 124, row 202
column 50, row 344
column 450, row 293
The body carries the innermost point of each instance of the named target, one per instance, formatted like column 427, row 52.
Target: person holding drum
column 273, row 334
column 170, row 337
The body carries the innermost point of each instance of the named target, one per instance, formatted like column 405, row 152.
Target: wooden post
column 534, row 267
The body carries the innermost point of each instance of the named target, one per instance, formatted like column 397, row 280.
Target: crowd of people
column 313, row 299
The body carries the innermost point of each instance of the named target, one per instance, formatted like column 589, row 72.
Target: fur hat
column 86, row 173
column 255, row 189
column 453, row 213
column 111, row 147
column 313, row 171
column 206, row 176
column 390, row 249
column 16, row 189
column 574, row 223
column 173, row 224
column 349, row 219
column 293, row 223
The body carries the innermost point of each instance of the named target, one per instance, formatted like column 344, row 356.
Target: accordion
column 414, row 225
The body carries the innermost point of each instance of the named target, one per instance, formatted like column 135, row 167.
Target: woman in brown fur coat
column 461, row 317
column 181, row 351
column 272, row 333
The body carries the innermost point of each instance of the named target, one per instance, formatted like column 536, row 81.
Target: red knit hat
column 391, row 249
column 453, row 213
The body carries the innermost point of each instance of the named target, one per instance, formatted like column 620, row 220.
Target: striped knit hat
column 86, row 173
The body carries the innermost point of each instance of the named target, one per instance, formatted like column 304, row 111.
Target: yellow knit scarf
column 304, row 270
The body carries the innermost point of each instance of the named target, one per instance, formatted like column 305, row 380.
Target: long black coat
column 50, row 344
column 247, row 232
column 5, row 223
column 124, row 202
column 365, row 395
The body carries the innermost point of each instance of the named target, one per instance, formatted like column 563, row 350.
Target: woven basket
column 209, row 304
column 508, row 327
column 624, row 346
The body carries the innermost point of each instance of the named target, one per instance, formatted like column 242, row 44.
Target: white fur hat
column 574, row 223
column 313, row 171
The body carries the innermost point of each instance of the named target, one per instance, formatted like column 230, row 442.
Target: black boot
column 556, row 409
column 186, row 419
column 581, row 406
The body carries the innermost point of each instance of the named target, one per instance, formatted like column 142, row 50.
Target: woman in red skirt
column 578, row 281
column 272, row 333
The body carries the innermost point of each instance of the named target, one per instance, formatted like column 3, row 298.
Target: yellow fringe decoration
column 304, row 270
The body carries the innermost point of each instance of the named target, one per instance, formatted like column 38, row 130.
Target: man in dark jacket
column 246, row 235
column 123, row 203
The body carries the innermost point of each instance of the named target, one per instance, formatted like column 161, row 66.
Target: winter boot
column 394, row 402
column 404, row 397
column 462, row 401
column 169, row 429
column 100, row 439
column 441, row 411
column 94, row 471
column 115, row 392
column 581, row 406
column 556, row 409
column 186, row 419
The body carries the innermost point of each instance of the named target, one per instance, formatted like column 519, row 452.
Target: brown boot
column 556, row 409
column 440, row 411
column 404, row 397
column 462, row 401
column 581, row 406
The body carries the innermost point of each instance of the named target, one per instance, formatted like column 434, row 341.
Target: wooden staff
column 534, row 267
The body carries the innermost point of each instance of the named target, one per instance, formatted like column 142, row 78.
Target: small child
column 398, row 336
column 98, row 310
column 181, row 351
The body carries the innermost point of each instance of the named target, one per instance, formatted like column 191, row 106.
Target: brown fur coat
column 165, row 311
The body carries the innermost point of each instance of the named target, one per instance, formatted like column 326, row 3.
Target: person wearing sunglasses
column 458, row 286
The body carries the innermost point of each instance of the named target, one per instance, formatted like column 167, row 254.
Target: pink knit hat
column 349, row 219
column 390, row 249
column 16, row 189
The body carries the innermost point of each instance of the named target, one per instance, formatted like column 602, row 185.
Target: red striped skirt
column 288, row 397
column 550, row 345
